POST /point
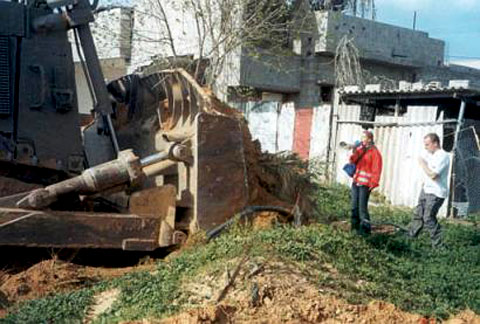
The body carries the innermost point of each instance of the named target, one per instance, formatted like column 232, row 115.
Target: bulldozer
column 160, row 160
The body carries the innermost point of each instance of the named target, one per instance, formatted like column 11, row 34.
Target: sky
column 457, row 22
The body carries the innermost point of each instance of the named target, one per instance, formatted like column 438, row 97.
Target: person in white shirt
column 435, row 163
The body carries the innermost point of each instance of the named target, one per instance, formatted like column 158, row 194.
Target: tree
column 212, row 30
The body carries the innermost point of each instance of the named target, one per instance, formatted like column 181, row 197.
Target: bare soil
column 261, row 291
column 275, row 292
column 51, row 277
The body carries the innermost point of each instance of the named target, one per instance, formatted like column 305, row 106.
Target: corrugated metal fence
column 400, row 147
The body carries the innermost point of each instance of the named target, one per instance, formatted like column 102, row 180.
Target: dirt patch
column 465, row 317
column 54, row 276
column 377, row 228
column 275, row 292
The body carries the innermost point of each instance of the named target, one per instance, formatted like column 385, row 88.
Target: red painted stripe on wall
column 301, row 136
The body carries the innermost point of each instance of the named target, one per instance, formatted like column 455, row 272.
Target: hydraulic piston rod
column 127, row 169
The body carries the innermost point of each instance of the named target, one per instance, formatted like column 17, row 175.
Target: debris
column 255, row 294
column 232, row 279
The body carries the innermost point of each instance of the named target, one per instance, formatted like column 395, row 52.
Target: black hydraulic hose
column 244, row 214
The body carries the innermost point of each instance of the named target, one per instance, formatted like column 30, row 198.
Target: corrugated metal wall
column 345, row 133
column 400, row 147
column 320, row 132
column 279, row 127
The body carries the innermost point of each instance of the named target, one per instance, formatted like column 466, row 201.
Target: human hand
column 421, row 161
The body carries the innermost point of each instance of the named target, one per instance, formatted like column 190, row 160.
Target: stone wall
column 451, row 72
column 378, row 41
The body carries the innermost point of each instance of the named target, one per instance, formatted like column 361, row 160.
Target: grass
column 407, row 273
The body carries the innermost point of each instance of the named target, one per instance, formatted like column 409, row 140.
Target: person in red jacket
column 368, row 160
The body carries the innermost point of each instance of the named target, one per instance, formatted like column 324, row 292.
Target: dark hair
column 433, row 137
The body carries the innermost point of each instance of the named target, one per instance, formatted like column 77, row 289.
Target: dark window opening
column 390, row 111
column 326, row 93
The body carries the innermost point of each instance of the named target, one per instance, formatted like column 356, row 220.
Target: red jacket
column 369, row 168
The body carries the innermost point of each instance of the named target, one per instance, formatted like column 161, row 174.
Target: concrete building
column 304, row 72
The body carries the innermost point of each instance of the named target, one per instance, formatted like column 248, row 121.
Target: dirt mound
column 54, row 276
column 274, row 292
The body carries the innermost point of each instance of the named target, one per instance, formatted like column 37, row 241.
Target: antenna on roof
column 414, row 19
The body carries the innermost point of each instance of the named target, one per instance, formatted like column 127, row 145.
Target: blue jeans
column 360, row 216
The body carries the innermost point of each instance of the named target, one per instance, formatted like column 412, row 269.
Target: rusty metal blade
column 221, row 186
column 78, row 230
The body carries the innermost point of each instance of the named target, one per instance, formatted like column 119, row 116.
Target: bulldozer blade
column 220, row 169
column 63, row 229
column 159, row 201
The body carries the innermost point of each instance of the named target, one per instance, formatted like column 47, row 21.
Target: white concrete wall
column 272, row 123
column 150, row 34
column 111, row 34
column 183, row 37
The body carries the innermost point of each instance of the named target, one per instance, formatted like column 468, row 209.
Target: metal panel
column 400, row 146
column 219, row 171
column 78, row 230
column 347, row 133
column 12, row 20
column 320, row 132
column 46, row 98
column 5, row 82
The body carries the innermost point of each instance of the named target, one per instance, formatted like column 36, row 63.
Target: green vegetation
column 407, row 273
column 65, row 308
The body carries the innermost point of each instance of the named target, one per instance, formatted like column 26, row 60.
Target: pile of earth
column 271, row 291
column 248, row 290
column 54, row 276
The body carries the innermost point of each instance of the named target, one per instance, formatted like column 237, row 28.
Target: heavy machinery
column 161, row 159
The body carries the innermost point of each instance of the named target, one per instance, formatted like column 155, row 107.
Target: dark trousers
column 360, row 216
column 426, row 215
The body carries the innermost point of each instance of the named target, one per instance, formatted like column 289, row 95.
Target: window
column 326, row 93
